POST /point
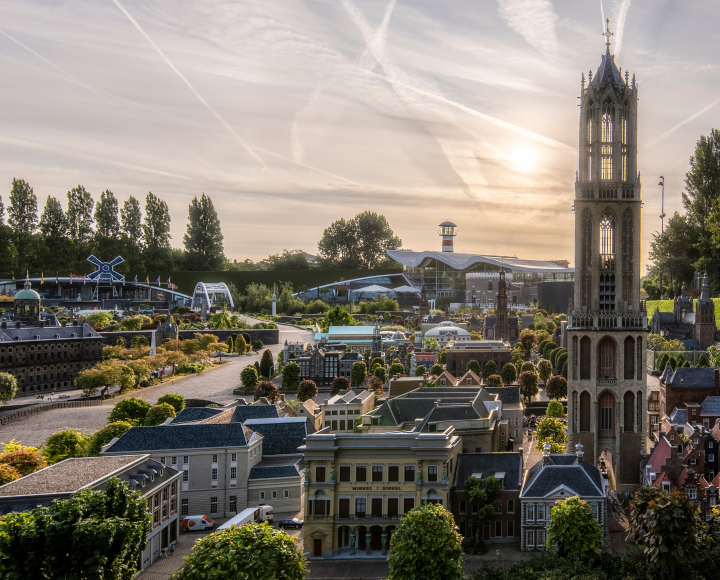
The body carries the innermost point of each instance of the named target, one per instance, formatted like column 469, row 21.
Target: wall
column 557, row 294
column 268, row 336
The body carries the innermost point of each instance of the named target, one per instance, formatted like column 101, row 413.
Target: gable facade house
column 687, row 385
column 504, row 526
column 229, row 461
column 358, row 487
column 460, row 353
column 293, row 350
column 157, row 484
column 340, row 411
column 558, row 477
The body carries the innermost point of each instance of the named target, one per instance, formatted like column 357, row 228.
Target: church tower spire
column 607, row 323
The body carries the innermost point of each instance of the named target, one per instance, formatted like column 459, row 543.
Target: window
column 710, row 445
column 360, row 473
column 344, row 474
column 214, row 459
column 320, row 474
column 596, row 512
column 530, row 514
column 540, row 538
column 693, row 461
column 334, row 425
column 233, row 503
column 184, row 507
column 408, row 504
column 711, row 457
column 262, row 495
column 214, row 473
column 174, row 460
column 462, row 506
column 342, row 425
column 162, row 460
column 186, row 475
column 510, row 508
column 233, row 473
column 541, row 513
column 498, row 528
column 377, row 473
column 511, row 529
column 666, row 485
column 393, row 507
column 432, row 473
column 213, row 504
column 186, row 459
column 530, row 539
column 393, row 473
column 360, row 506
column 286, row 493
column 692, row 493
column 274, row 494
column 233, row 457
column 672, row 437
column 409, row 473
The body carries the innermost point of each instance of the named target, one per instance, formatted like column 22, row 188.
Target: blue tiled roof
column 193, row 414
column 272, row 471
column 693, row 377
column 281, row 436
column 710, row 406
column 243, row 413
column 489, row 464
column 183, row 436
column 582, row 479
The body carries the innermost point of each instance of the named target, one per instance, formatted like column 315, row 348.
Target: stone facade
column 459, row 354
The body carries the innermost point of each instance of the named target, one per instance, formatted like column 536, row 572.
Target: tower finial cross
column 607, row 34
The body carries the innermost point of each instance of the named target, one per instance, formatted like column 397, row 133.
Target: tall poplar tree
column 6, row 255
column 79, row 217
column 53, row 228
column 107, row 226
column 156, row 233
column 203, row 239
column 23, row 219
column 132, row 233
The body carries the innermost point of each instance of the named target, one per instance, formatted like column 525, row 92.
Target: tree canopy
column 203, row 239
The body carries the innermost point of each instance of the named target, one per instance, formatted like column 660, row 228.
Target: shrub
column 687, row 363
column 380, row 373
column 555, row 409
column 306, row 390
column 544, row 369
column 561, row 359
column 120, row 341
column 474, row 366
column 574, row 530
column 256, row 344
column 436, row 369
column 703, row 362
column 552, row 431
column 494, row 381
column 509, row 374
column 672, row 361
column 564, row 371
column 549, row 347
column 191, row 368
column 266, row 363
column 249, row 377
column 375, row 385
column 339, row 384
column 490, row 368
column 396, row 368
column 358, row 373
column 420, row 370
column 25, row 460
column 138, row 341
column 8, row 387
column 107, row 434
column 131, row 410
column 556, row 387
column 528, row 385
column 268, row 390
column 290, row 375
column 158, row 414
column 65, row 444
column 241, row 347
column 177, row 402
column 8, row 473
column 377, row 361
column 663, row 361
column 527, row 366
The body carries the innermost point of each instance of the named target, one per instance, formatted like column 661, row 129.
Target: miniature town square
column 174, row 405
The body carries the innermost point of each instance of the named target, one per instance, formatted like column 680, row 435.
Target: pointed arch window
column 608, row 139
column 586, row 258
column 628, row 244
column 607, row 234
column 589, row 146
column 625, row 141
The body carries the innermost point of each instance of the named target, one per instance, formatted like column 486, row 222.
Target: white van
column 197, row 523
column 262, row 513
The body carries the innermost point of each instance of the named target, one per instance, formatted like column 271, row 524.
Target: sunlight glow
column 524, row 158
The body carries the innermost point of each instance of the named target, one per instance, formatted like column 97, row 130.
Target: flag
column 42, row 278
column 147, row 280
column 158, row 282
column 57, row 280
column 135, row 278
column 168, row 282
column 83, row 279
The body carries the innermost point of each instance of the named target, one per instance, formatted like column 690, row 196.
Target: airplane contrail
column 198, row 95
column 676, row 127
column 621, row 17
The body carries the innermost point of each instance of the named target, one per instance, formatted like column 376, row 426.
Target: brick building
column 459, row 354
column 687, row 385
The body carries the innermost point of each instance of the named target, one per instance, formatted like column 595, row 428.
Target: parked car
column 291, row 523
column 63, row 396
column 197, row 523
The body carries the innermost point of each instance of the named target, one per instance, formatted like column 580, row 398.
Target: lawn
column 667, row 306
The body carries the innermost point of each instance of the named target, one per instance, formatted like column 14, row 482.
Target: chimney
column 579, row 452
column 546, row 453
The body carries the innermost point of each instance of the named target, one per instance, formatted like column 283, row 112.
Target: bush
column 191, row 368
column 158, row 414
column 377, row 361
column 8, row 387
column 544, row 369
column 552, row 431
column 560, row 360
column 249, row 377
column 266, row 363
column 672, row 361
column 268, row 390
column 241, row 347
column 107, row 434
column 24, row 461
column 549, row 347
column 564, row 371
column 494, row 381
column 252, row 551
column 339, row 384
column 138, row 341
column 290, row 375
column 556, row 387
column 131, row 410
column 426, row 545
column 555, row 409
column 65, row 444
column 306, row 390
column 120, row 341
column 703, row 362
column 420, row 370
column 574, row 530
column 490, row 368
column 256, row 344
column 663, row 361
column 177, row 402
column 474, row 366
column 358, row 373
column 396, row 368
column 527, row 366
column 436, row 369
column 380, row 373
column 509, row 374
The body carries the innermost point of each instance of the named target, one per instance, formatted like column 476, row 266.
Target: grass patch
column 668, row 305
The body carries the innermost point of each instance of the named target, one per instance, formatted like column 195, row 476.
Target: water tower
column 447, row 232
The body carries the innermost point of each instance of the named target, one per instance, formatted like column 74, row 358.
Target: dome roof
column 27, row 293
column 446, row 329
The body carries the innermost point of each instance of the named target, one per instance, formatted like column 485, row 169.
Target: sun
column 524, row 158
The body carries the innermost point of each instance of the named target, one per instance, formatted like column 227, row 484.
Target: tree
column 426, row 545
column 24, row 461
column 396, row 369
column 252, row 551
column 555, row 409
column 380, row 373
column 8, row 387
column 544, row 369
column 494, row 381
column 482, row 494
column 339, row 384
column 560, row 360
column 203, row 240
column 287, row 260
column 358, row 243
column 290, row 375
column 266, row 363
column 306, row 390
column 527, row 366
column 358, row 372
column 528, row 382
column 420, row 370
column 249, row 377
column 556, row 387
column 375, row 385
column 23, row 220
column 549, row 347
column 156, row 233
column 105, row 375
column 474, row 366
column 132, row 232
column 107, row 225
column 158, row 414
column 92, row 534
column 552, row 431
column 509, row 374
column 528, row 340
column 176, row 359
column 490, row 368
column 268, row 390
column 131, row 410
column 65, row 444
column 105, row 435
column 53, row 227
column 177, row 402
column 574, row 531
column 431, row 344
column 665, row 526
column 436, row 369
column 79, row 221
column 241, row 347
column 377, row 361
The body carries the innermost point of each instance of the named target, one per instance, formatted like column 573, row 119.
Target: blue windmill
column 105, row 273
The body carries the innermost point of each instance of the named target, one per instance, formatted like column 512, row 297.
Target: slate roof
column 268, row 470
column 182, row 436
column 665, row 317
column 678, row 416
column 692, row 377
column 195, row 414
column 351, row 396
column 244, row 413
column 691, row 344
column 583, row 479
column 508, row 395
column 490, row 321
column 281, row 436
column 710, row 406
column 512, row 321
column 489, row 464
column 660, row 454
column 608, row 71
column 30, row 333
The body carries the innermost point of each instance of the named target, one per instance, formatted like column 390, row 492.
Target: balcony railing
column 609, row 319
column 355, row 518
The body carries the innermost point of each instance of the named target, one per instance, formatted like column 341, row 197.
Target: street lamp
column 662, row 227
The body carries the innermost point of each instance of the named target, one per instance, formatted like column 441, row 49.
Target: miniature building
column 460, row 353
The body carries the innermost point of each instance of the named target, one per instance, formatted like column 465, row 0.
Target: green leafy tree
column 156, row 233
column 528, row 340
column 573, row 530
column 268, row 390
column 107, row 434
column 396, row 369
column 527, row 366
column 556, row 387
column 139, row 341
column 53, row 227
column 177, row 402
column 337, row 316
column 358, row 373
column 158, row 414
column 494, row 381
column 131, row 410
column 548, row 348
column 23, row 460
column 203, row 240
column 290, row 375
column 564, row 370
column 107, row 225
column 482, row 495
column 490, row 368
column 132, row 234
column 431, row 344
column 436, row 369
column 377, row 361
column 528, row 382
column 339, row 384
column 241, row 347
column 552, row 431
column 702, row 361
column 266, row 363
column 8, row 387
column 442, row 356
column 420, row 370
column 474, row 366
column 307, row 390
column 249, row 377
column 555, row 409
column 23, row 220
column 426, row 545
column 555, row 354
column 92, row 534
column 544, row 369
column 509, row 374
column 560, row 360
column 252, row 551
column 79, row 217
column 380, row 373
column 65, row 444
column 665, row 526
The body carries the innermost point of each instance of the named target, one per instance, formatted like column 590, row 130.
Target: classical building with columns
column 358, row 487
column 607, row 324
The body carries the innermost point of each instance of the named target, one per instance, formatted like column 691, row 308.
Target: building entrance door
column 317, row 548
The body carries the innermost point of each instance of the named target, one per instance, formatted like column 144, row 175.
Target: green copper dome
column 27, row 293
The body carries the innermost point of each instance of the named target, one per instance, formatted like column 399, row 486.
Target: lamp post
column 662, row 227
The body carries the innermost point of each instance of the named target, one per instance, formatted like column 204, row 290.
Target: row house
column 340, row 411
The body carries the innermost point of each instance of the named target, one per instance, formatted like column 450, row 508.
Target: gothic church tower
column 607, row 326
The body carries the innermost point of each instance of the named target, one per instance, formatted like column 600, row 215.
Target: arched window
column 575, row 358
column 606, row 358
column 628, row 239
column 629, row 412
column 585, row 358
column 586, row 258
column 607, row 414
column 589, row 152
column 585, row 412
column 608, row 138
column 490, row 286
column 607, row 233
column 639, row 400
column 629, row 357
column 625, row 141
column 575, row 411
column 639, row 364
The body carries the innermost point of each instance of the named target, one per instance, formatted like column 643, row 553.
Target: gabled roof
column 608, row 71
column 243, row 413
column 350, row 396
column 508, row 395
column 582, row 478
column 489, row 464
column 269, row 469
column 197, row 414
column 182, row 436
column 710, row 406
column 281, row 436
column 450, row 379
column 475, row 380
column 47, row 333
column 693, row 377
column 659, row 455
column 678, row 416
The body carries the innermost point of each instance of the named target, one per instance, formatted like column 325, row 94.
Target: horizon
column 328, row 108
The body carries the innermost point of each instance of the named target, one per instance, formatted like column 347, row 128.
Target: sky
column 292, row 114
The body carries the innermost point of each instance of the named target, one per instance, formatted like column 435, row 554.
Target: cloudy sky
column 290, row 114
